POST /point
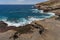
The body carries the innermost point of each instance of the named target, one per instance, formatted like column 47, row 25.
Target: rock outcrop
column 21, row 29
column 51, row 33
column 4, row 27
column 51, row 5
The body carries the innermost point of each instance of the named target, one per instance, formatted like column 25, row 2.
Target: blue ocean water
column 20, row 14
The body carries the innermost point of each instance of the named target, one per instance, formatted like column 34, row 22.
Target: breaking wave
column 28, row 20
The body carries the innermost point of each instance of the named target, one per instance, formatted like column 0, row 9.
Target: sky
column 20, row 1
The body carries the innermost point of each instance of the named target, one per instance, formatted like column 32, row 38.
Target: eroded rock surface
column 50, row 5
column 52, row 32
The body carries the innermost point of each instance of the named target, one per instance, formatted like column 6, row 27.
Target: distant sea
column 19, row 15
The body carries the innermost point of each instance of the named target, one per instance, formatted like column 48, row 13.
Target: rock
column 48, row 5
column 3, row 24
column 11, row 27
column 4, row 27
column 24, row 29
column 52, row 32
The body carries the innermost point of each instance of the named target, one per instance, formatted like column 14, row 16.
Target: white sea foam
column 21, row 23
column 37, row 11
column 41, row 11
column 24, row 21
column 51, row 14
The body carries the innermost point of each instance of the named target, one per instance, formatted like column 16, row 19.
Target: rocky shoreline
column 31, row 31
column 49, row 6
column 51, row 26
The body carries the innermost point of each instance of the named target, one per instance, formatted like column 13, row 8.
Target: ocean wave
column 37, row 11
column 28, row 20
column 24, row 21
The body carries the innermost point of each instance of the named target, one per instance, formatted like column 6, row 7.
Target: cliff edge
column 50, row 5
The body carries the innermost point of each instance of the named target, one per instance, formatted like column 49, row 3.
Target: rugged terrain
column 51, row 26
column 49, row 6
column 52, row 31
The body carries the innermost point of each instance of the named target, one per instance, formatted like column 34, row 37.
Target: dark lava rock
column 24, row 29
column 2, row 24
column 12, row 27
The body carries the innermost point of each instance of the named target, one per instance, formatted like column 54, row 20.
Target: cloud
column 20, row 1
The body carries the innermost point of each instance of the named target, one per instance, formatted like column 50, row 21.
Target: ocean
column 19, row 15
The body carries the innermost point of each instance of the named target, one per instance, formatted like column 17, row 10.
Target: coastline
column 29, row 19
column 51, row 26
column 52, row 31
column 10, row 25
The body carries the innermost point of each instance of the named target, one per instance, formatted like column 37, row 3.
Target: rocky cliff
column 51, row 5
